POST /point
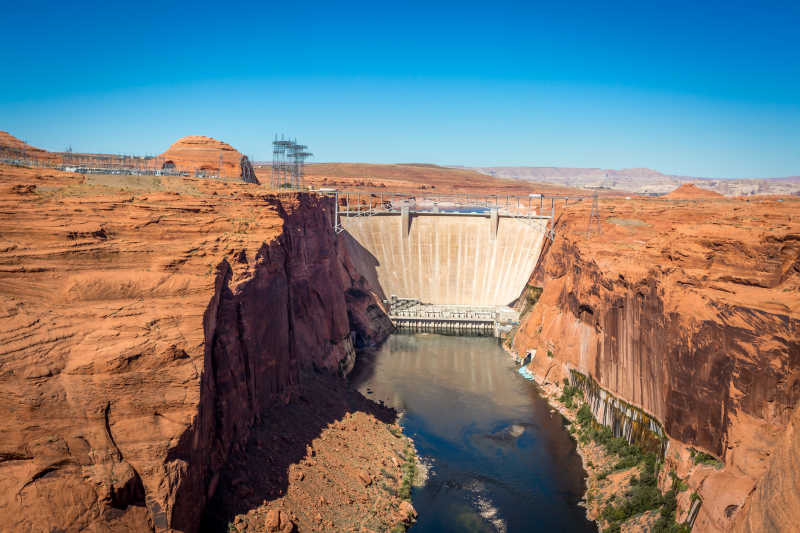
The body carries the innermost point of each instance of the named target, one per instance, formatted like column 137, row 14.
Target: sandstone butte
column 690, row 311
column 197, row 152
column 689, row 191
column 145, row 333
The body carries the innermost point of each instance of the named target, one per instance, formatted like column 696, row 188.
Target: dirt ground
column 332, row 461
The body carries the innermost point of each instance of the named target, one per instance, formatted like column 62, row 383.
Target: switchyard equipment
column 288, row 164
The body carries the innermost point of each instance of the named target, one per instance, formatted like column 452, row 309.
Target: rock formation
column 689, row 191
column 690, row 313
column 12, row 147
column 206, row 154
column 143, row 336
column 248, row 175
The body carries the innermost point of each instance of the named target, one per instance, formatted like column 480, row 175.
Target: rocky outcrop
column 774, row 504
column 142, row 337
column 205, row 154
column 13, row 148
column 690, row 191
column 697, row 326
column 248, row 174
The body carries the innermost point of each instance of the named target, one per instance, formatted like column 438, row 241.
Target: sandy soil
column 348, row 478
column 421, row 179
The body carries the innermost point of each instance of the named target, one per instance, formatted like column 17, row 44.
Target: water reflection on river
column 499, row 459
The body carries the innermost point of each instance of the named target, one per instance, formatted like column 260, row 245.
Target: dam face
column 446, row 258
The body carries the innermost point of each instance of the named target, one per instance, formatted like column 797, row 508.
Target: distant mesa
column 690, row 191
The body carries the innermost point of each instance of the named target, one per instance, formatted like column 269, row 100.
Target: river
column 499, row 458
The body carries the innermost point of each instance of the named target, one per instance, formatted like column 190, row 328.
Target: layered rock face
column 143, row 335
column 197, row 152
column 14, row 148
column 690, row 312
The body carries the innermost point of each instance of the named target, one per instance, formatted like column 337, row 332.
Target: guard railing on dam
column 370, row 203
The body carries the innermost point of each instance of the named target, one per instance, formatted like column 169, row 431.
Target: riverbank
column 606, row 482
column 331, row 461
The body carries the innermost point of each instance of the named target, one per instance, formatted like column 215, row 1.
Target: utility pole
column 594, row 216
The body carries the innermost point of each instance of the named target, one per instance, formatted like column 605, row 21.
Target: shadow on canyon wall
column 364, row 261
column 261, row 470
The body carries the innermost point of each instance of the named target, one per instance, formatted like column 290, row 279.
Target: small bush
column 584, row 416
column 533, row 294
column 666, row 520
column 642, row 496
column 569, row 394
column 409, row 472
column 699, row 457
column 390, row 490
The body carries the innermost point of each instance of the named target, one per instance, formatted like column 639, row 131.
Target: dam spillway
column 477, row 259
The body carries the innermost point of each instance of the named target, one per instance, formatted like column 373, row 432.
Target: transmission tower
column 288, row 163
column 594, row 216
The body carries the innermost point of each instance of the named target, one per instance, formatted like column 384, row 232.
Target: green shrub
column 584, row 416
column 699, row 457
column 678, row 484
column 569, row 394
column 409, row 472
column 533, row 295
column 643, row 494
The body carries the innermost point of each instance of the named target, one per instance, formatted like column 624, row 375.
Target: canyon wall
column 144, row 334
column 446, row 259
column 688, row 311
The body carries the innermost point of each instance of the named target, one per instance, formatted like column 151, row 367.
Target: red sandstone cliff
column 690, row 312
column 143, row 335
column 14, row 148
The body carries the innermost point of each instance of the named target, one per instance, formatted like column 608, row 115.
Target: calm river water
column 499, row 460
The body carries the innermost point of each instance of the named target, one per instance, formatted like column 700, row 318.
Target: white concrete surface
column 446, row 259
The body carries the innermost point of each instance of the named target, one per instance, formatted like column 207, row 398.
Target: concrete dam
column 466, row 261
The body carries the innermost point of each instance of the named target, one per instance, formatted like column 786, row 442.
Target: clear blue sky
column 695, row 88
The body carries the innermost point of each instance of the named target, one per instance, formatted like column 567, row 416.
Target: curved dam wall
column 454, row 259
